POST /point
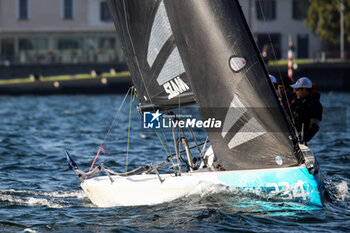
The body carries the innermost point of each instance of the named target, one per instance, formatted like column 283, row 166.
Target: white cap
column 273, row 79
column 303, row 82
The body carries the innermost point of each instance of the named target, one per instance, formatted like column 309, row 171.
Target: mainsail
column 230, row 83
column 211, row 41
column 153, row 58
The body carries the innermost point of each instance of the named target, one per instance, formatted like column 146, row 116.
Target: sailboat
column 202, row 53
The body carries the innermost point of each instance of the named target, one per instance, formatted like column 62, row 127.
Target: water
column 39, row 194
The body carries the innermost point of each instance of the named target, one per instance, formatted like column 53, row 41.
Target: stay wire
column 115, row 117
column 278, row 68
column 129, row 128
column 109, row 130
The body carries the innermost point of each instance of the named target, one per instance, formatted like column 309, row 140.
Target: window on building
column 23, row 9
column 300, row 9
column 63, row 44
column 7, row 50
column 69, row 50
column 303, row 45
column 68, row 9
column 104, row 12
column 266, row 9
column 101, row 50
column 32, row 50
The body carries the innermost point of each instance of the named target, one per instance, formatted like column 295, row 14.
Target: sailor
column 306, row 109
column 286, row 93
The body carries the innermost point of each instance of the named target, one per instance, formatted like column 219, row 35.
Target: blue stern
column 292, row 184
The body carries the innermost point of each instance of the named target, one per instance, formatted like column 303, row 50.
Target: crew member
column 306, row 109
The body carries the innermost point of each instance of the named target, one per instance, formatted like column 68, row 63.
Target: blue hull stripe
column 295, row 184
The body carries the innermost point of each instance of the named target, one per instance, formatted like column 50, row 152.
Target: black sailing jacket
column 307, row 111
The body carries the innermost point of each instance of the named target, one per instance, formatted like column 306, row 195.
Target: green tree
column 324, row 19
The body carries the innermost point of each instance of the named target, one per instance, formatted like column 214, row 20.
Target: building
column 57, row 31
column 82, row 32
column 279, row 20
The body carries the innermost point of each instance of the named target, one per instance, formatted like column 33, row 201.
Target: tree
column 324, row 19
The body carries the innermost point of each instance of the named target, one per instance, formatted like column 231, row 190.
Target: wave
column 342, row 191
column 53, row 199
column 62, row 194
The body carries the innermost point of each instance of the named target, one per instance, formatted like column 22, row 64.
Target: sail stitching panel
column 160, row 33
column 235, row 111
column 248, row 131
column 169, row 69
column 251, row 130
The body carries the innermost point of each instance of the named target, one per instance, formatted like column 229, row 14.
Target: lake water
column 39, row 194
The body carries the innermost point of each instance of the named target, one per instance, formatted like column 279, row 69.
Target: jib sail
column 153, row 58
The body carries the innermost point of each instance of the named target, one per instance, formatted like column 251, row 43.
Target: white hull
column 142, row 189
column 148, row 190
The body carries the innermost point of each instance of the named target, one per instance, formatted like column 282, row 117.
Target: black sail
column 230, row 83
column 153, row 58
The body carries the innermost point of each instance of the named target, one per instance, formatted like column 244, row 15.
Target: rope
column 109, row 130
column 166, row 151
column 162, row 143
column 115, row 117
column 127, row 147
column 279, row 71
column 97, row 155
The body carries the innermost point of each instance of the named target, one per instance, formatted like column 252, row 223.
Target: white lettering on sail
column 175, row 87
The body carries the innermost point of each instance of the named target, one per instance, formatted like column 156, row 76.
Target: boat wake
column 338, row 191
column 53, row 199
column 342, row 193
column 246, row 201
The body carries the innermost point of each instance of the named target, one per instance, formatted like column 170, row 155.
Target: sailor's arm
column 312, row 130
column 315, row 119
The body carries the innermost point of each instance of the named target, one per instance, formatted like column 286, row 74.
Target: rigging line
column 166, row 151
column 195, row 141
column 168, row 155
column 270, row 40
column 127, row 147
column 115, row 117
column 278, row 68
column 109, row 130
column 273, row 51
